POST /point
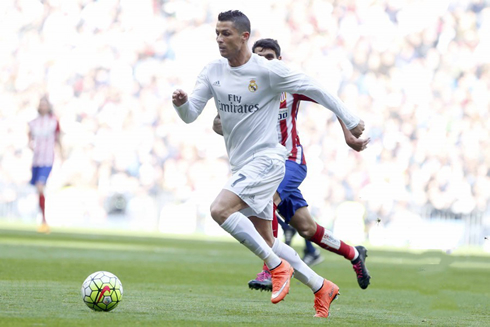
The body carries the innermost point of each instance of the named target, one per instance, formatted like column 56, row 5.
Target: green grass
column 179, row 282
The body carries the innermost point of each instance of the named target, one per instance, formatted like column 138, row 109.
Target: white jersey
column 248, row 97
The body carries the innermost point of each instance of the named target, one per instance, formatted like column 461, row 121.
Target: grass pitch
column 176, row 282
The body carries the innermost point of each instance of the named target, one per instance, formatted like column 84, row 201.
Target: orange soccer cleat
column 44, row 228
column 324, row 297
column 281, row 276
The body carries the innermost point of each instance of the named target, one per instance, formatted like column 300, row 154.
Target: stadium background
column 417, row 72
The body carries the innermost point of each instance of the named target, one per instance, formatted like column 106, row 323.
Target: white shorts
column 257, row 181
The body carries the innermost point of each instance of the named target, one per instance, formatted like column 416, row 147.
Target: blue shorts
column 40, row 174
column 291, row 197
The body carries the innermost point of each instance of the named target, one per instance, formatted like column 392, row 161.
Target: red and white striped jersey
column 44, row 130
column 286, row 126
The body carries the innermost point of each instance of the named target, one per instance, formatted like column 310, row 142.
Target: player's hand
column 357, row 144
column 357, row 131
column 179, row 97
column 217, row 127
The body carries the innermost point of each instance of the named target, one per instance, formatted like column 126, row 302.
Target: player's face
column 269, row 54
column 43, row 107
column 230, row 40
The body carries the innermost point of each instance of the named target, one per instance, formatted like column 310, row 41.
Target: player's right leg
column 280, row 276
column 249, row 192
column 225, row 211
column 294, row 175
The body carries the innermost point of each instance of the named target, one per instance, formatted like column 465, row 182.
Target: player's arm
column 189, row 108
column 217, row 128
column 179, row 97
column 285, row 80
column 355, row 143
column 30, row 140
column 58, row 141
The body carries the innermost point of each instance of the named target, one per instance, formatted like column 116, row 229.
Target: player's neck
column 240, row 59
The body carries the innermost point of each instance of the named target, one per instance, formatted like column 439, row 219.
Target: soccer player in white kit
column 44, row 134
column 291, row 205
column 246, row 89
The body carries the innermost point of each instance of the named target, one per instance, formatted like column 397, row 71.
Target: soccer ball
column 102, row 291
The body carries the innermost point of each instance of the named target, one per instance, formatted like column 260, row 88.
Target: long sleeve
column 285, row 80
column 190, row 110
column 201, row 94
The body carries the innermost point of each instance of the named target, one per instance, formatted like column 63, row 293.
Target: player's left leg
column 39, row 179
column 325, row 291
column 310, row 230
column 263, row 281
column 302, row 271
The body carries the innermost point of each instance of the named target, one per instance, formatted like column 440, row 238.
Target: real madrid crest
column 252, row 87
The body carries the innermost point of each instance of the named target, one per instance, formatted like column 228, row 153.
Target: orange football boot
column 281, row 276
column 324, row 297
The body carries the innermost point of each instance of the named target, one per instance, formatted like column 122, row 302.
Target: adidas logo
column 216, row 83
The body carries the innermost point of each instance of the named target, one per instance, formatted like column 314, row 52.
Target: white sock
column 302, row 272
column 356, row 254
column 242, row 229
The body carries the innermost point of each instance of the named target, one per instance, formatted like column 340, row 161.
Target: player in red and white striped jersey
column 44, row 134
column 288, row 200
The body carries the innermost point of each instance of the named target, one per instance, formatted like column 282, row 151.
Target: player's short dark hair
column 268, row 44
column 239, row 20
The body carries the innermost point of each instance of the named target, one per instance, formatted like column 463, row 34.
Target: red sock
column 326, row 240
column 42, row 201
column 275, row 224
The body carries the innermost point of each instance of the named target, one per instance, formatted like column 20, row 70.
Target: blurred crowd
column 417, row 72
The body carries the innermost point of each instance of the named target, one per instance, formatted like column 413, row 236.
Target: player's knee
column 305, row 229
column 219, row 213
column 306, row 233
column 304, row 223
